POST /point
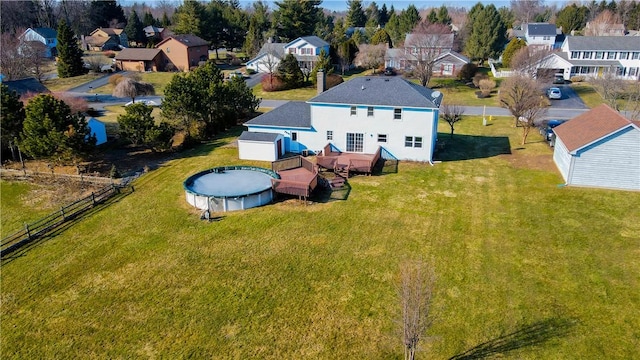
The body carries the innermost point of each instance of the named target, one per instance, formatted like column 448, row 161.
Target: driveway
column 570, row 100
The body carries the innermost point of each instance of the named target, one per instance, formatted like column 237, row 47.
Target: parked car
column 389, row 71
column 558, row 79
column 554, row 93
column 548, row 130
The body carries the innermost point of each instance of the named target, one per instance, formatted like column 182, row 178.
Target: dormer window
column 575, row 54
column 587, row 55
column 611, row 55
column 599, row 55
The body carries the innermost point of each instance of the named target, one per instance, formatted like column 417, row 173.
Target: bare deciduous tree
column 34, row 55
column 370, row 56
column 523, row 97
column 610, row 87
column 426, row 43
column 525, row 10
column 451, row 114
column 531, row 60
column 132, row 88
column 602, row 23
column 12, row 64
column 417, row 288
column 633, row 101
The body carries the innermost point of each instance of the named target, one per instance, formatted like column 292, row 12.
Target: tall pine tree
column 69, row 53
column 355, row 15
column 134, row 29
column 488, row 35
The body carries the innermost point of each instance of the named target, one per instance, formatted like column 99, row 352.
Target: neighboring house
column 306, row 49
column 26, row 86
column 156, row 33
column 428, row 46
column 182, row 52
column 98, row 129
column 102, row 39
column 603, row 29
column 140, row 59
column 542, row 35
column 593, row 56
column 599, row 148
column 357, row 116
column 47, row 36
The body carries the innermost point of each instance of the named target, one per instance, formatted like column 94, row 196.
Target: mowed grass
column 111, row 113
column 530, row 269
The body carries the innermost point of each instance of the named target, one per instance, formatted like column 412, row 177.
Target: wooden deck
column 344, row 163
column 298, row 177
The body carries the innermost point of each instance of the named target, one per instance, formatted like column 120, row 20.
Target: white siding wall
column 562, row 158
column 264, row 63
column 338, row 119
column 612, row 163
column 255, row 150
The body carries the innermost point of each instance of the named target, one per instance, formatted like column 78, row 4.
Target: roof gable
column 590, row 127
column 443, row 41
column 25, row 86
column 311, row 40
column 379, row 90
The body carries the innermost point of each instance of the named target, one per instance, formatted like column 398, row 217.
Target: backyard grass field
column 526, row 269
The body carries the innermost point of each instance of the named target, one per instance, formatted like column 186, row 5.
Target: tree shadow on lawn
column 20, row 249
column 527, row 335
column 467, row 147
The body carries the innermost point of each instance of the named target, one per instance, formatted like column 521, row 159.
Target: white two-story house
column 542, row 35
column 357, row 116
column 306, row 49
column 593, row 56
column 47, row 36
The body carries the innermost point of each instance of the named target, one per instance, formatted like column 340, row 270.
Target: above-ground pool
column 230, row 188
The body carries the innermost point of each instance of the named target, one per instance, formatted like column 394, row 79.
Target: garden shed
column 600, row 148
column 260, row 146
column 98, row 129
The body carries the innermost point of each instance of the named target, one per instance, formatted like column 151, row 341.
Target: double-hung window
column 413, row 141
column 329, row 135
column 397, row 114
column 370, row 111
column 354, row 110
column 382, row 138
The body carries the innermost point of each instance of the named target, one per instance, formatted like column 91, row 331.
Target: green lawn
column 528, row 268
column 111, row 113
column 159, row 80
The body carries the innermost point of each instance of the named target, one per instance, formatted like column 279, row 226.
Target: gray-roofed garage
column 263, row 146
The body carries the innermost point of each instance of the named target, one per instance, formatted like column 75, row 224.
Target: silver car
column 554, row 93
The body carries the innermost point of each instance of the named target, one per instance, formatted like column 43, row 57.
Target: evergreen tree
column 253, row 40
column 571, row 18
column 106, row 13
column 514, row 45
column 409, row 18
column 51, row 131
column 432, row 17
column 507, row 16
column 165, row 22
column 383, row 16
column 443, row 15
column 393, row 28
column 135, row 123
column 189, row 17
column 324, row 64
column 290, row 73
column 355, row 15
column 134, row 29
column 295, row 18
column 472, row 15
column 373, row 14
column 381, row 37
column 11, row 119
column 487, row 36
column 69, row 53
column 148, row 19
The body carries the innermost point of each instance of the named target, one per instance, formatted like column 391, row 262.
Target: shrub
column 235, row 61
column 486, row 85
column 114, row 173
column 273, row 83
column 333, row 80
column 467, row 72
column 115, row 79
column 578, row 78
column 479, row 77
column 250, row 71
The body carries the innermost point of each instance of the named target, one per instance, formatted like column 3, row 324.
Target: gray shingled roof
column 541, row 29
column 276, row 49
column 294, row 114
column 258, row 136
column 314, row 40
column 429, row 40
column 137, row 54
column 603, row 43
column 186, row 39
column 378, row 90
column 47, row 33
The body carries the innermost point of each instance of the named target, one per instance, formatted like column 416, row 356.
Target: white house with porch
column 593, row 56
column 306, row 49
column 357, row 116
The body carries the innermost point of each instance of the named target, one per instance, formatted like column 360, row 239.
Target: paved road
column 94, row 84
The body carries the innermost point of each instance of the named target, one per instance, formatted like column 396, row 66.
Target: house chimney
column 322, row 81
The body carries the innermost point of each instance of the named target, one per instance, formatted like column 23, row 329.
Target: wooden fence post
column 26, row 227
column 93, row 199
column 62, row 212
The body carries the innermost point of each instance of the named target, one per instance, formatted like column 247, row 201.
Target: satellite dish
column 436, row 94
